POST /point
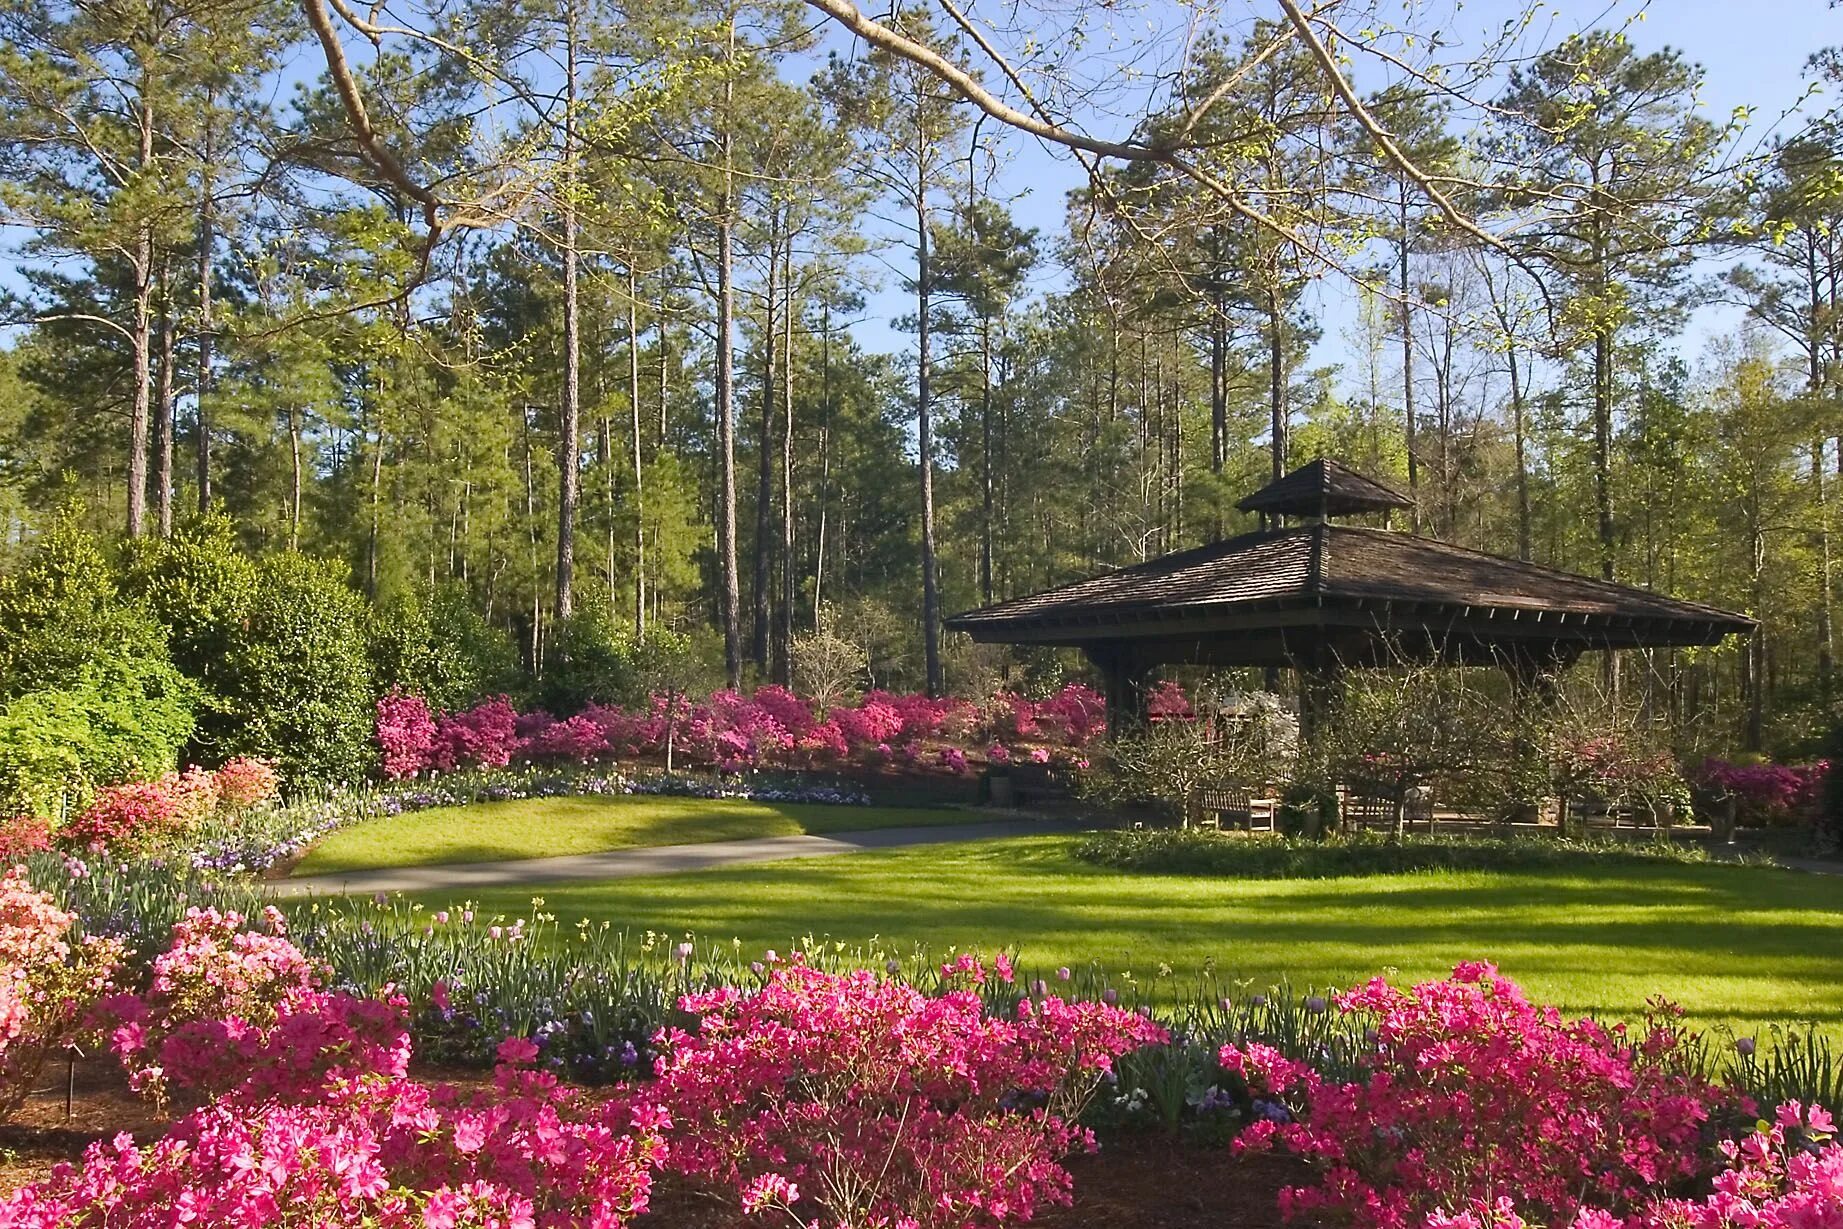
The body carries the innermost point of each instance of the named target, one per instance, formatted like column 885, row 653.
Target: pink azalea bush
column 1475, row 1098
column 405, row 734
column 851, row 1099
column 49, row 982
column 773, row 728
column 22, row 836
column 1766, row 793
column 1787, row 1174
column 147, row 813
column 384, row 1151
column 231, row 1008
column 247, row 782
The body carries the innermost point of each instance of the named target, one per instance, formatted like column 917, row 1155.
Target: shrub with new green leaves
column 63, row 609
column 88, row 695
column 591, row 659
column 278, row 646
column 296, row 677
column 121, row 718
column 437, row 646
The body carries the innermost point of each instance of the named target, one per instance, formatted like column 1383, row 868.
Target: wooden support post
column 1125, row 680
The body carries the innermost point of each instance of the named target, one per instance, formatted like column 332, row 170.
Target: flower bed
column 817, row 1088
column 773, row 728
column 892, row 1106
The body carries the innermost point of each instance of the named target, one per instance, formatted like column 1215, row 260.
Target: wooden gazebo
column 1317, row 596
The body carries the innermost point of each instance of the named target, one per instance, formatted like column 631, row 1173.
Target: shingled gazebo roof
column 1324, row 488
column 1316, row 592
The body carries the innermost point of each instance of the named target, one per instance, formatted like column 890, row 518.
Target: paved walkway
column 653, row 860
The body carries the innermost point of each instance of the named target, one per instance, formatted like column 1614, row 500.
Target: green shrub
column 438, row 647
column 278, row 646
column 121, row 718
column 1196, row 851
column 591, row 659
column 295, row 685
column 62, row 610
column 88, row 695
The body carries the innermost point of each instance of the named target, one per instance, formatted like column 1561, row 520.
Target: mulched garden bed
column 1139, row 1182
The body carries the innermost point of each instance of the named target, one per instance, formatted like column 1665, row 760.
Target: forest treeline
column 551, row 306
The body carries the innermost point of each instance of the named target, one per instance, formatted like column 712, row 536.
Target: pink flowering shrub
column 1766, row 793
column 406, row 735
column 773, row 728
column 1079, row 712
column 231, row 1006
column 387, row 1152
column 48, row 984
column 579, row 739
column 23, row 835
column 850, row 1099
column 247, row 782
column 1476, row 1098
column 484, row 736
column 133, row 811
column 1787, row 1174
column 1167, row 702
column 790, row 712
column 869, row 724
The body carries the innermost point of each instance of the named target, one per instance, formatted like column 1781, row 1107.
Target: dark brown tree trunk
column 784, row 617
column 163, row 417
column 1403, row 246
column 141, row 341
column 764, row 472
column 201, row 419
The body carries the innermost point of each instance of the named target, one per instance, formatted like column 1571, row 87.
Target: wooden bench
column 1229, row 808
column 1035, row 784
column 1368, row 811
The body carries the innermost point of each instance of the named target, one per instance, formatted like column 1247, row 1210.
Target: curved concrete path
column 649, row 860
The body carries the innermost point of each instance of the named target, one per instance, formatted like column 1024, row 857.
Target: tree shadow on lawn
column 1730, row 944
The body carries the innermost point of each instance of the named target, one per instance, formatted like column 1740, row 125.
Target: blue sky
column 1754, row 54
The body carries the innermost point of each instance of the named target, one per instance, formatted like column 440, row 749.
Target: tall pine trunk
column 569, row 428
column 924, row 426
column 163, row 417
column 633, row 397
column 729, row 595
column 141, row 339
column 1403, row 246
column 764, row 469
column 201, row 420
column 784, row 614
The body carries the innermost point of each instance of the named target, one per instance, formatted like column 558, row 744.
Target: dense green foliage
column 88, row 695
column 119, row 718
column 439, row 647
column 681, row 409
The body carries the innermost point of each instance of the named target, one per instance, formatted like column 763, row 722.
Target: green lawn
column 546, row 827
column 1741, row 946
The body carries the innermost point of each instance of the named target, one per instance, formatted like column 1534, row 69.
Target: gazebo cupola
column 1318, row 596
column 1321, row 490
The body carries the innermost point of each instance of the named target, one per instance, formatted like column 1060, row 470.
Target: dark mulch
column 1140, row 1182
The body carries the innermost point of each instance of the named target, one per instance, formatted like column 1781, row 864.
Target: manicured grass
column 1734, row 945
column 548, row 827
